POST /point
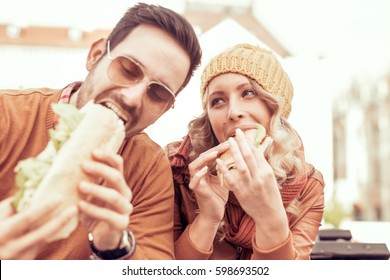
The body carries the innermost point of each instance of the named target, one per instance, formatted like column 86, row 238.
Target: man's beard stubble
column 85, row 95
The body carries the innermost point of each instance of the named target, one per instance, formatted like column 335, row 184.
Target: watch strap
column 126, row 248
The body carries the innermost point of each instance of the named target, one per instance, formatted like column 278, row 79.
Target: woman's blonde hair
column 285, row 155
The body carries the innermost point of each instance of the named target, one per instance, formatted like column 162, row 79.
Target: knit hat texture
column 256, row 63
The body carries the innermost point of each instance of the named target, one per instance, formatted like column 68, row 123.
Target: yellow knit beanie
column 256, row 63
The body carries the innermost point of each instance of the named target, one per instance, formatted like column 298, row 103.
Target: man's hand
column 106, row 208
column 17, row 239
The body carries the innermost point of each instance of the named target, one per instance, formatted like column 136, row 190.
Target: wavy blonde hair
column 285, row 155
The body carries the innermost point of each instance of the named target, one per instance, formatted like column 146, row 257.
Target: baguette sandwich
column 56, row 171
column 256, row 136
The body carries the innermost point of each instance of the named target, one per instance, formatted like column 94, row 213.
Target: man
column 160, row 49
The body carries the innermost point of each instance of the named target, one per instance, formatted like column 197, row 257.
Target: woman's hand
column 106, row 208
column 256, row 188
column 211, row 197
column 18, row 240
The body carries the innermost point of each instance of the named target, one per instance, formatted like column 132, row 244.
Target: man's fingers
column 17, row 224
column 24, row 244
column 110, row 197
column 115, row 219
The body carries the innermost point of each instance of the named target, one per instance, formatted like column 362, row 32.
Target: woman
column 273, row 208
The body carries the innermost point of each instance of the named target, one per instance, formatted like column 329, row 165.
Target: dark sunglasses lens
column 159, row 94
column 124, row 72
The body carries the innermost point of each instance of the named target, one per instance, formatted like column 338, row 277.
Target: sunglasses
column 125, row 72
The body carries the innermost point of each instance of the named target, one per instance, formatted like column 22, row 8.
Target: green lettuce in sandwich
column 56, row 171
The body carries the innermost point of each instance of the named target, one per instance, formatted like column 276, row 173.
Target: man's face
column 162, row 61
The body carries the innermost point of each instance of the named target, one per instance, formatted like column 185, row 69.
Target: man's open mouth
column 116, row 110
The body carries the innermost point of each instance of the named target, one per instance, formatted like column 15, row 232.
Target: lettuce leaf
column 68, row 119
column 261, row 133
column 30, row 171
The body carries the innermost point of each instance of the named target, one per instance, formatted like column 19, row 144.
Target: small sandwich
column 56, row 171
column 256, row 136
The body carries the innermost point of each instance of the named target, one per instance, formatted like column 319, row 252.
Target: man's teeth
column 116, row 110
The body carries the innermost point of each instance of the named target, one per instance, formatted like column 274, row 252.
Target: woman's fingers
column 197, row 177
column 208, row 157
column 266, row 143
column 227, row 174
column 202, row 161
column 245, row 157
column 220, row 148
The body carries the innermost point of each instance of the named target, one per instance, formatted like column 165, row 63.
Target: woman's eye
column 249, row 92
column 215, row 102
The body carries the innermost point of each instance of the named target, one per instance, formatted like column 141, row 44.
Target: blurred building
column 361, row 141
column 202, row 14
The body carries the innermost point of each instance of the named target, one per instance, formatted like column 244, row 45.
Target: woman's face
column 233, row 103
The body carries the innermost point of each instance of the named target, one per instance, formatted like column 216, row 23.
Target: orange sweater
column 26, row 117
column 298, row 245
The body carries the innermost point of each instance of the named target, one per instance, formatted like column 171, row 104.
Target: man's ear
column 96, row 51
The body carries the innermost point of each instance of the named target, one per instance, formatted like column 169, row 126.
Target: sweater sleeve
column 284, row 251
column 149, row 176
column 185, row 249
column 303, row 229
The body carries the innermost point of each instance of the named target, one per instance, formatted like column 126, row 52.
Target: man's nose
column 135, row 94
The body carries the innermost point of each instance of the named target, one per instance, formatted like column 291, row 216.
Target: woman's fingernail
column 225, row 144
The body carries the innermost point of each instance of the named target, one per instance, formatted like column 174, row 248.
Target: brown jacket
column 26, row 117
column 303, row 227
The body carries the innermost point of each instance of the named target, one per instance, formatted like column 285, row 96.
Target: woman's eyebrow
column 240, row 86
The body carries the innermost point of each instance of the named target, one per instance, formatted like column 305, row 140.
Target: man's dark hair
column 171, row 22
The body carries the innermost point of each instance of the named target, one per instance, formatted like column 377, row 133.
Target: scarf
column 240, row 227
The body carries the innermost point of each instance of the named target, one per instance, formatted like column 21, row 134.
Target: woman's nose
column 236, row 111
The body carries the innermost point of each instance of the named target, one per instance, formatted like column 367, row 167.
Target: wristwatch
column 125, row 249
